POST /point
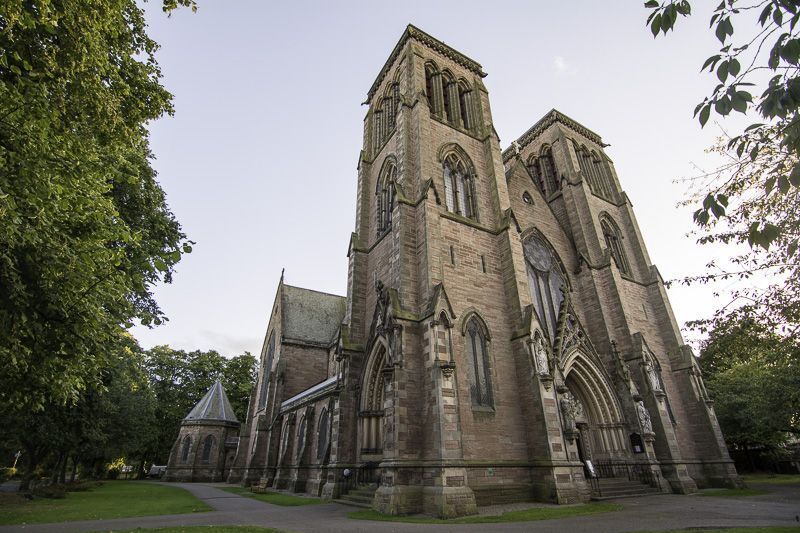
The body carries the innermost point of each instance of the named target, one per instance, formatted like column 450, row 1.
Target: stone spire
column 213, row 406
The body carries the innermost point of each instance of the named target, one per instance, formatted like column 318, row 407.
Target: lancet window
column 478, row 369
column 544, row 172
column 546, row 282
column 613, row 240
column 385, row 193
column 187, row 446
column 458, row 187
column 594, row 171
column 322, row 435
column 385, row 115
column 208, row 444
column 265, row 371
column 449, row 98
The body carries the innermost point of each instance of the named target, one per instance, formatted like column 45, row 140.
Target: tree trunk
column 74, row 468
column 62, row 478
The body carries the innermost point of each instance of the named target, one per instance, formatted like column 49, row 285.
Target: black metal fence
column 366, row 474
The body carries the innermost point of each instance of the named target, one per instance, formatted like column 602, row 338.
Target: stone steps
column 360, row 496
column 611, row 488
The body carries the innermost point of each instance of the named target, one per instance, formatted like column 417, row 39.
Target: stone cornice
column 545, row 122
column 412, row 32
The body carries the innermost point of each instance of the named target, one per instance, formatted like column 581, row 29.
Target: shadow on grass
column 525, row 515
column 275, row 498
column 114, row 499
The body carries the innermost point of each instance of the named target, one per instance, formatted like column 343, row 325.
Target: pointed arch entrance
column 599, row 420
column 371, row 406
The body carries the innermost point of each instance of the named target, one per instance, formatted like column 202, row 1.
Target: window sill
column 482, row 409
column 464, row 220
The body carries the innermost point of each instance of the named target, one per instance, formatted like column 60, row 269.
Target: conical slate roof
column 213, row 406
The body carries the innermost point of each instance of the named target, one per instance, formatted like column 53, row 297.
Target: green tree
column 179, row 379
column 753, row 198
column 85, row 231
column 752, row 374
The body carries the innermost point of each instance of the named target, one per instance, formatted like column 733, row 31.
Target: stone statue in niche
column 571, row 410
column 540, row 355
column 644, row 417
column 652, row 373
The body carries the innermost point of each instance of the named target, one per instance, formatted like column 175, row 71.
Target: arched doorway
column 371, row 407
column 601, row 432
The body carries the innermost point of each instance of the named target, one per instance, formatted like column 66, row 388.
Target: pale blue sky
column 259, row 161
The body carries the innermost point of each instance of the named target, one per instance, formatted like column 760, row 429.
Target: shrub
column 55, row 491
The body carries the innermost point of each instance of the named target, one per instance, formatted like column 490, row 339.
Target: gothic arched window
column 208, row 443
column 458, row 191
column 322, row 435
column 547, row 167
column 265, row 371
column 465, row 103
column 613, row 240
column 385, row 194
column 450, row 98
column 187, row 446
column 546, row 282
column 301, row 439
column 477, row 361
column 433, row 88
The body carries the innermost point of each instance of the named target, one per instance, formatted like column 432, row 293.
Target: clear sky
column 259, row 161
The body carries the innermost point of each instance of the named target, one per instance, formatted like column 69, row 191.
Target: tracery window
column 614, row 244
column 546, row 282
column 208, row 443
column 458, row 187
column 301, row 439
column 480, row 379
column 187, row 446
column 385, row 193
column 265, row 371
column 322, row 435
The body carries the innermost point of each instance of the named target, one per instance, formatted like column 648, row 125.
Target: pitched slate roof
column 213, row 406
column 311, row 316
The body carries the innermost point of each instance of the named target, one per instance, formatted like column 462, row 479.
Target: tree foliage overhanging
column 753, row 199
column 85, row 231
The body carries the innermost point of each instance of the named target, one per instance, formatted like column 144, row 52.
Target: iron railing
column 367, row 473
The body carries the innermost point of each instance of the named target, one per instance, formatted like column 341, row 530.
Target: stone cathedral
column 504, row 336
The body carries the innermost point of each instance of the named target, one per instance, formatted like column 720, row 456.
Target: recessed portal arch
column 371, row 406
column 600, row 422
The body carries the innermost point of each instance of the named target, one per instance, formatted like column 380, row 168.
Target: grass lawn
column 733, row 493
column 764, row 529
column 276, row 498
column 114, row 499
column 772, row 479
column 526, row 515
column 210, row 529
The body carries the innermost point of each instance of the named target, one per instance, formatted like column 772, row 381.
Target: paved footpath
column 781, row 507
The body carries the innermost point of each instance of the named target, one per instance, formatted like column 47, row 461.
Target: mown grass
column 762, row 529
column 525, row 515
column 733, row 493
column 114, row 499
column 772, row 479
column 276, row 498
column 207, row 529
